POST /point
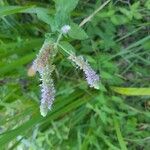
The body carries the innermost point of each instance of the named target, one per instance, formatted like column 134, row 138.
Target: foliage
column 116, row 42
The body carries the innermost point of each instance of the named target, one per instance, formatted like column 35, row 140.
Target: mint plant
column 116, row 43
column 61, row 23
column 44, row 65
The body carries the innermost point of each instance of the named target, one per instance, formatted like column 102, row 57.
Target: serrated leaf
column 126, row 12
column 135, row 6
column 77, row 32
column 43, row 16
column 65, row 5
column 63, row 9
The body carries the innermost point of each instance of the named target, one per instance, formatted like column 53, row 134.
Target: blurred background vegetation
column 118, row 47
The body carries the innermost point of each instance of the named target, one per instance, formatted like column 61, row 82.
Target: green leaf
column 65, row 5
column 63, row 9
column 126, row 12
column 119, row 19
column 131, row 91
column 106, row 75
column 147, row 4
column 43, row 16
column 135, row 6
column 67, row 46
column 8, row 10
column 77, row 32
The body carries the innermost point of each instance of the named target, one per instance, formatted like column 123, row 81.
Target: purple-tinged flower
column 42, row 58
column 91, row 76
column 65, row 29
column 48, row 96
column 43, row 65
column 47, row 90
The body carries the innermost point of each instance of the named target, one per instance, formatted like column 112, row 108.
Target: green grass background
column 115, row 117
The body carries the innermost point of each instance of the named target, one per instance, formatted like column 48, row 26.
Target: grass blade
column 132, row 91
column 119, row 135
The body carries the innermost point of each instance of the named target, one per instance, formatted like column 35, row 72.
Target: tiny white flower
column 65, row 29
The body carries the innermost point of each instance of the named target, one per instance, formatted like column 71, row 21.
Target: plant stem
column 64, row 49
column 94, row 13
column 81, row 24
column 58, row 39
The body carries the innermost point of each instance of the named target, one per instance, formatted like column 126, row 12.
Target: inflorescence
column 91, row 76
column 43, row 65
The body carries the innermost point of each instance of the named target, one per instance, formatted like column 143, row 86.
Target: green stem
column 57, row 44
column 58, row 39
column 64, row 49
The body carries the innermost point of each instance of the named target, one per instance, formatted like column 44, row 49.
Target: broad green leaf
column 46, row 18
column 131, row 91
column 77, row 32
column 63, row 9
column 65, row 5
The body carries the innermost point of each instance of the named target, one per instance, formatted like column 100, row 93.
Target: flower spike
column 91, row 76
column 44, row 66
